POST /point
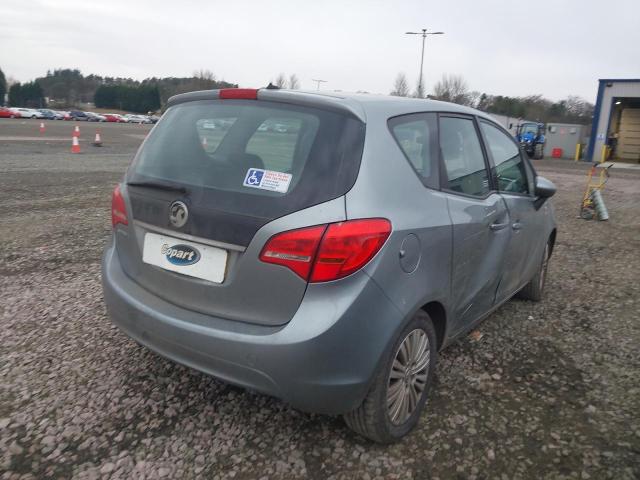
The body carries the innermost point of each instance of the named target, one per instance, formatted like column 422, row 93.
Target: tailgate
column 213, row 182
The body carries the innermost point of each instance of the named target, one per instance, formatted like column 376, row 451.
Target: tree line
column 69, row 88
column 133, row 98
column 454, row 88
column 3, row 87
column 28, row 95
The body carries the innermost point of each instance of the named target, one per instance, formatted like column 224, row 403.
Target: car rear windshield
column 253, row 157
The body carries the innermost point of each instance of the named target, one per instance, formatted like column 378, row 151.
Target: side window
column 510, row 168
column 462, row 156
column 416, row 137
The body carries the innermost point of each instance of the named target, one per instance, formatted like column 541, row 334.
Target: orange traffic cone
column 98, row 141
column 75, row 145
column 41, row 127
column 76, row 131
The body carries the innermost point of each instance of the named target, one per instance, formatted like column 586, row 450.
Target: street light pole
column 424, row 34
column 318, row 82
column 420, row 88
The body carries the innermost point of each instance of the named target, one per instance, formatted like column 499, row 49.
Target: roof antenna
column 271, row 86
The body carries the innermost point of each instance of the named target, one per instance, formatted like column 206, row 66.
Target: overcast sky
column 553, row 47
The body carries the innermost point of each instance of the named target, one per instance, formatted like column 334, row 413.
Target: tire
column 538, row 153
column 373, row 419
column 533, row 290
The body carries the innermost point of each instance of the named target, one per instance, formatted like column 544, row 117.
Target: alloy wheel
column 408, row 376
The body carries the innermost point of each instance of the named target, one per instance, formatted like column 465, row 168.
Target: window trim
column 532, row 171
column 444, row 179
column 492, row 164
column 434, row 144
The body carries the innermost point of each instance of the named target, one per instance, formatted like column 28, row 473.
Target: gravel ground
column 546, row 390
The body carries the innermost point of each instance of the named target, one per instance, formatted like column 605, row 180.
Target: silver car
column 329, row 265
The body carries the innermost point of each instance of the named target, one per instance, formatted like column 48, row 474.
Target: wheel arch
column 438, row 315
column 552, row 240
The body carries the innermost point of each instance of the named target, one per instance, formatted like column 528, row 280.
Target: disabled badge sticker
column 267, row 180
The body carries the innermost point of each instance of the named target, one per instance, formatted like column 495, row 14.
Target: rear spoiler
column 345, row 106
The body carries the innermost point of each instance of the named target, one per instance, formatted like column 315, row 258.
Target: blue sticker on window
column 267, row 180
column 253, row 178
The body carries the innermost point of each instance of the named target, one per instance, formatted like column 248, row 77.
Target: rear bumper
column 321, row 361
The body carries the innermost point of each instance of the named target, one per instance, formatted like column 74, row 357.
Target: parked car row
column 20, row 113
column 78, row 115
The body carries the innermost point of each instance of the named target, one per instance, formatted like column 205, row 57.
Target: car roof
column 361, row 105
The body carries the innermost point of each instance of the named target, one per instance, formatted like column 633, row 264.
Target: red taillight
column 324, row 253
column 238, row 93
column 348, row 246
column 118, row 209
column 294, row 249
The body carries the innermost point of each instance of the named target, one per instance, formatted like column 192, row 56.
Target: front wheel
column 399, row 391
column 538, row 152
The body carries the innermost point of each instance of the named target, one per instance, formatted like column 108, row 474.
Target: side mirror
column 544, row 190
column 510, row 126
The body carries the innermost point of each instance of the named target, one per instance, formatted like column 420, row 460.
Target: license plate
column 187, row 258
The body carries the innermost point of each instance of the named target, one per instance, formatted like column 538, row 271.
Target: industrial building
column 562, row 137
column 615, row 133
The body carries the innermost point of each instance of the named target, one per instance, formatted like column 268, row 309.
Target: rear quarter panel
column 388, row 187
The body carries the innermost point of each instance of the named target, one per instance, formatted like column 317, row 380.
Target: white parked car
column 28, row 112
column 131, row 118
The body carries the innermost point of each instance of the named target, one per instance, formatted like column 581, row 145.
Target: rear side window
column 510, row 168
column 417, row 138
column 463, row 157
column 253, row 158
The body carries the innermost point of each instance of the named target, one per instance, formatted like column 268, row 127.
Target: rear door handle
column 516, row 226
column 498, row 226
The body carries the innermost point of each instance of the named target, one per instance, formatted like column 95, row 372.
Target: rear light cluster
column 118, row 208
column 328, row 252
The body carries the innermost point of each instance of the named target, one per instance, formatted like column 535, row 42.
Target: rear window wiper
column 158, row 186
